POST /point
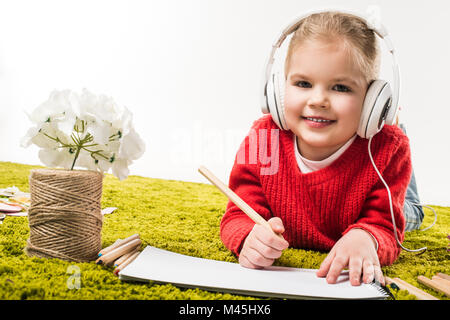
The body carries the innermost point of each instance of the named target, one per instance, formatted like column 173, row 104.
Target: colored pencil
column 117, row 243
column 126, row 262
column 109, row 257
column 109, row 248
column 124, row 257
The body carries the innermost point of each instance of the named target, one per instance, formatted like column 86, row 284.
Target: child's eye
column 341, row 88
column 303, row 84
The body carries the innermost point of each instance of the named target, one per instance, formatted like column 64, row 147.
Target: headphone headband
column 377, row 27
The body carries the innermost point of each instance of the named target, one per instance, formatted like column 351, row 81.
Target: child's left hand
column 357, row 250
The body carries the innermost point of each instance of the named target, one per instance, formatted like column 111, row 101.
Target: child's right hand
column 262, row 246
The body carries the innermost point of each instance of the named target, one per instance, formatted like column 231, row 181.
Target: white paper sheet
column 186, row 271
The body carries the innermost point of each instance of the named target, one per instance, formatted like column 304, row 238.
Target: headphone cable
column 425, row 206
column 421, row 250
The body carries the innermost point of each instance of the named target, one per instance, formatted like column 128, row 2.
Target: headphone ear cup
column 375, row 108
column 392, row 114
column 280, row 90
column 270, row 100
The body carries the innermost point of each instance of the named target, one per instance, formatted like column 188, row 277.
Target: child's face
column 323, row 83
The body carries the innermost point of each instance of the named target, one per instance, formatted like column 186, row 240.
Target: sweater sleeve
column 245, row 182
column 376, row 214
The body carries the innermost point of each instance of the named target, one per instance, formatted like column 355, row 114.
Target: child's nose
column 318, row 98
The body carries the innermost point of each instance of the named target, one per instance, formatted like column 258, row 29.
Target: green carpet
column 178, row 216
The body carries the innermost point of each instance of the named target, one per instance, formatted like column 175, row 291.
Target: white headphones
column 380, row 104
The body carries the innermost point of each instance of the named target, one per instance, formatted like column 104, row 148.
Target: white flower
column 101, row 133
column 120, row 168
column 56, row 158
column 132, row 146
column 84, row 130
column 85, row 160
column 26, row 140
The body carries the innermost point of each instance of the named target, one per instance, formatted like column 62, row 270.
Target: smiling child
column 324, row 193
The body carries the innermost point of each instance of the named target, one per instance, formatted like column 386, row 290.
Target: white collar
column 306, row 165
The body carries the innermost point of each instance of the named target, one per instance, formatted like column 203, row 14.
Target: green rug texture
column 182, row 217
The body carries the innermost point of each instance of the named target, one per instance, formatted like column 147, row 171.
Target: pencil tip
column 99, row 254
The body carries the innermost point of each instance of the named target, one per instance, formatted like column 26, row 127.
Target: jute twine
column 65, row 214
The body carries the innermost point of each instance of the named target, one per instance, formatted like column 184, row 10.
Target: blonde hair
column 357, row 38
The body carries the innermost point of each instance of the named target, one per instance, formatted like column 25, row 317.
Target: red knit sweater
column 319, row 207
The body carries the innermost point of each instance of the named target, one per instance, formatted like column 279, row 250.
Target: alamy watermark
column 258, row 150
column 74, row 280
column 212, row 146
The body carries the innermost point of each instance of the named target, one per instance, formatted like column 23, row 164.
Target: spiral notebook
column 163, row 266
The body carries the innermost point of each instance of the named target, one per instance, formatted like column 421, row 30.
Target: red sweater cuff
column 235, row 234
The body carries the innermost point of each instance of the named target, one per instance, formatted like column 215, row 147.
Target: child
column 324, row 193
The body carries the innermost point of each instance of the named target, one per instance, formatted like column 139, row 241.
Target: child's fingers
column 267, row 251
column 338, row 264
column 276, row 224
column 325, row 265
column 243, row 261
column 255, row 257
column 253, row 253
column 269, row 239
column 369, row 271
column 378, row 274
column 356, row 268
column 261, row 247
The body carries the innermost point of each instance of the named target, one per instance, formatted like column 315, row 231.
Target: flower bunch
column 84, row 130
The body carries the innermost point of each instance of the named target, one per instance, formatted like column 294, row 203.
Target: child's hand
column 356, row 249
column 262, row 246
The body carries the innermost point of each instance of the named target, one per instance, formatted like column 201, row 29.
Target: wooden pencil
column 109, row 248
column 438, row 286
column 443, row 276
column 124, row 257
column 126, row 262
column 252, row 214
column 117, row 243
column 109, row 257
column 111, row 262
column 403, row 285
column 444, row 282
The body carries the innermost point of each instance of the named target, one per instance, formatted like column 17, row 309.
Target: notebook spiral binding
column 383, row 289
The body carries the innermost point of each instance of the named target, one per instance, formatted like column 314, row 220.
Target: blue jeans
column 412, row 209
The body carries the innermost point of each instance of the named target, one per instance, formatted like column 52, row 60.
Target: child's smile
column 324, row 96
column 318, row 122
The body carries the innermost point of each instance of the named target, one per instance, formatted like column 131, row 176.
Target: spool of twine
column 65, row 214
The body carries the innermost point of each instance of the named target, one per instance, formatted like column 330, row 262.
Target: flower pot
column 65, row 217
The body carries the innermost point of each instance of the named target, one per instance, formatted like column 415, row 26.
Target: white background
column 190, row 71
